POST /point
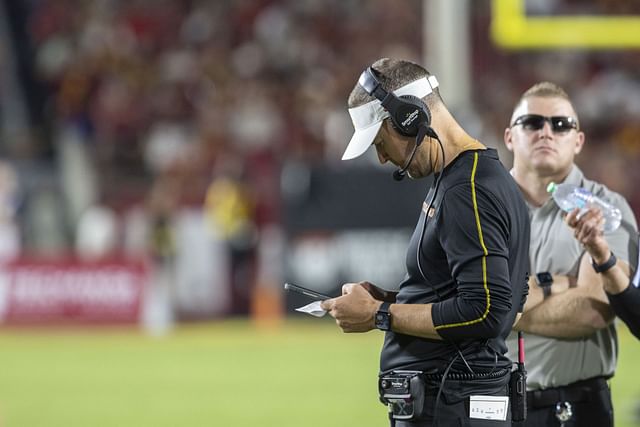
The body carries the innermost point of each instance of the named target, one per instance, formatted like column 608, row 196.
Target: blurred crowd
column 194, row 85
column 170, row 95
column 194, row 103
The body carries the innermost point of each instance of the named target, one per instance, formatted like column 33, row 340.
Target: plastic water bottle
column 569, row 197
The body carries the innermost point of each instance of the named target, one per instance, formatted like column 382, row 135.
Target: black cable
column 400, row 174
column 392, row 421
column 426, row 216
column 440, row 388
column 464, row 360
column 464, row 376
column 424, row 277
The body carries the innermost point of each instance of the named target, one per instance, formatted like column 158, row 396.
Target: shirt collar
column 575, row 176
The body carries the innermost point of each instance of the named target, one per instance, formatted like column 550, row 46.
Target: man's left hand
column 355, row 310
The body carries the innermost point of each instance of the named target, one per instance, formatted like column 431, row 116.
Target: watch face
column 382, row 321
column 544, row 278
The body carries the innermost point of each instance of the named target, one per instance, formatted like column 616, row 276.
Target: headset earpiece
column 408, row 113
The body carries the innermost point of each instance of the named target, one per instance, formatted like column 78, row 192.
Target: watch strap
column 606, row 266
column 545, row 280
column 383, row 317
column 384, row 307
column 546, row 290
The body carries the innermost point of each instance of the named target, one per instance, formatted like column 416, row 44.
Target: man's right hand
column 355, row 310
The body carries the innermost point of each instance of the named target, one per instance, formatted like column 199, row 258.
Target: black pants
column 590, row 402
column 453, row 407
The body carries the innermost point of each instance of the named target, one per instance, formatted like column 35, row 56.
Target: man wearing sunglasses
column 571, row 342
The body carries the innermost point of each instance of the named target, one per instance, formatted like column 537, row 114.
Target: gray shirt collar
column 575, row 177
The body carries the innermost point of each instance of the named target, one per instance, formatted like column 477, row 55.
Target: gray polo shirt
column 556, row 362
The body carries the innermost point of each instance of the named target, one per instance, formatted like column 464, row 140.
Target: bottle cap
column 552, row 187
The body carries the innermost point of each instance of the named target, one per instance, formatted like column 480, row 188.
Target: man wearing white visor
column 443, row 361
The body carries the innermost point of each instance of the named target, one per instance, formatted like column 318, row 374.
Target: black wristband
column 382, row 318
column 545, row 280
column 546, row 290
column 601, row 268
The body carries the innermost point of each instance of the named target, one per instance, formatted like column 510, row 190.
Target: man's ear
column 579, row 143
column 507, row 139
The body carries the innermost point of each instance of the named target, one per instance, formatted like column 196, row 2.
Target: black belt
column 581, row 391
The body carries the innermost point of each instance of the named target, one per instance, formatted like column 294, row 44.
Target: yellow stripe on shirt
column 484, row 256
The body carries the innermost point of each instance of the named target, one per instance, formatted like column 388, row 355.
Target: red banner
column 69, row 291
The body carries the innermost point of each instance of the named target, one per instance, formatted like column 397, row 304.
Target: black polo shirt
column 475, row 260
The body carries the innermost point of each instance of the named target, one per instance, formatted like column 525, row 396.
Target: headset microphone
column 423, row 130
column 399, row 174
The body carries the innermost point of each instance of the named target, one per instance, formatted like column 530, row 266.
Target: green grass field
column 304, row 373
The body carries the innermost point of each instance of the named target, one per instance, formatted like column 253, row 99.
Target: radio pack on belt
column 403, row 392
column 518, row 386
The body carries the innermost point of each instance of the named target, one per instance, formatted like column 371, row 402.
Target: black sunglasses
column 559, row 124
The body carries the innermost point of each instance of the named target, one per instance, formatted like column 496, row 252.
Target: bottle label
column 581, row 197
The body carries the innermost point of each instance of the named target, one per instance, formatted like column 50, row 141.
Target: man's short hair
column 545, row 90
column 393, row 74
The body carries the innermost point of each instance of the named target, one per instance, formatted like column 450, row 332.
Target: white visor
column 367, row 119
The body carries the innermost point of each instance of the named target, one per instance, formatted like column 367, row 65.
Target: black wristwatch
column 601, row 268
column 545, row 280
column 383, row 317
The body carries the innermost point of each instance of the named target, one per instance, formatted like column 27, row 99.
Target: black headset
column 408, row 113
column 410, row 116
